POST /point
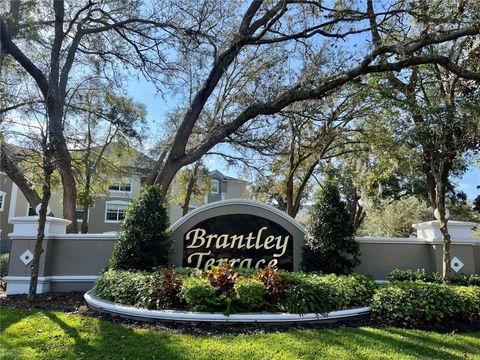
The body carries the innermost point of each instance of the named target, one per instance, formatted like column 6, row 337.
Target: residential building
column 108, row 210
column 222, row 188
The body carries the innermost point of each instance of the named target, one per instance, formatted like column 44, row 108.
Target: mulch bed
column 73, row 303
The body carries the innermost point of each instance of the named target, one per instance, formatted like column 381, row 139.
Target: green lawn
column 29, row 334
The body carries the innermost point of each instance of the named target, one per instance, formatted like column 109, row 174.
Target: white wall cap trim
column 34, row 219
column 450, row 223
column 54, row 278
column 117, row 202
column 417, row 241
column 243, row 202
column 191, row 316
column 101, row 236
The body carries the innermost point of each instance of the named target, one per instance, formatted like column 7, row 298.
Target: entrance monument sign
column 248, row 234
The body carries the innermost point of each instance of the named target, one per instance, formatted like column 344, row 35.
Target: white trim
column 86, row 237
column 13, row 202
column 20, row 284
column 451, row 224
column 414, row 241
column 3, row 195
column 113, row 202
column 33, row 219
column 122, row 191
column 190, row 316
column 218, row 187
column 243, row 202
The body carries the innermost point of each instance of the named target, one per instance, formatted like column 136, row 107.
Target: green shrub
column 200, row 295
column 122, row 287
column 187, row 272
column 162, row 291
column 349, row 290
column 419, row 302
column 3, row 264
column 306, row 294
column 245, row 272
column 250, row 294
column 466, row 279
column 432, row 277
column 330, row 245
column 143, row 242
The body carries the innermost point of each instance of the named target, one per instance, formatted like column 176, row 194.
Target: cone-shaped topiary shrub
column 330, row 245
column 143, row 242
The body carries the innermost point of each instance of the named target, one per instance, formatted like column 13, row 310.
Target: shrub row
column 3, row 264
column 224, row 289
column 421, row 302
column 432, row 277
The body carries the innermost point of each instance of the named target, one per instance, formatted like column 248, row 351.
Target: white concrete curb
column 190, row 316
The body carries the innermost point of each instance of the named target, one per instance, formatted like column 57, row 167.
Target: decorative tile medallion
column 456, row 264
column 26, row 257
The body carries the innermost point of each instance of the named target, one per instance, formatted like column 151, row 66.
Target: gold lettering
column 233, row 261
column 208, row 264
column 209, row 239
column 222, row 242
column 259, row 235
column 281, row 244
column 273, row 263
column 245, row 263
column 261, row 261
column 234, row 240
column 269, row 240
column 250, row 238
column 200, row 257
column 196, row 237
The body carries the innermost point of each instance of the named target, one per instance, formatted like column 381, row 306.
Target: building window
column 2, row 200
column 215, row 189
column 114, row 211
column 79, row 212
column 31, row 211
column 121, row 186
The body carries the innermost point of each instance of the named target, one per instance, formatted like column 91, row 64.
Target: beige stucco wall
column 73, row 261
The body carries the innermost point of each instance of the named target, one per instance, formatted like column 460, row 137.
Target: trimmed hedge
column 200, row 295
column 420, row 302
column 263, row 290
column 143, row 243
column 432, row 277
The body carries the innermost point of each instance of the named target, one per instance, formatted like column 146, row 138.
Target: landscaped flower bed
column 226, row 290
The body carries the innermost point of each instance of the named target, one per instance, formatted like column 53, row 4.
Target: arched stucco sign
column 249, row 234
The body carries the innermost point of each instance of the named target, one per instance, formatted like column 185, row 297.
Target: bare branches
column 9, row 47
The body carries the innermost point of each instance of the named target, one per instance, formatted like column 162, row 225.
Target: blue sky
column 158, row 108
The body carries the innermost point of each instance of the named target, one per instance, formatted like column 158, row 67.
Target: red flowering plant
column 224, row 278
column 276, row 285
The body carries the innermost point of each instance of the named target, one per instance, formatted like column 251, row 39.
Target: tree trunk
column 191, row 184
column 440, row 203
column 86, row 203
column 18, row 178
column 34, row 268
column 167, row 173
column 64, row 162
